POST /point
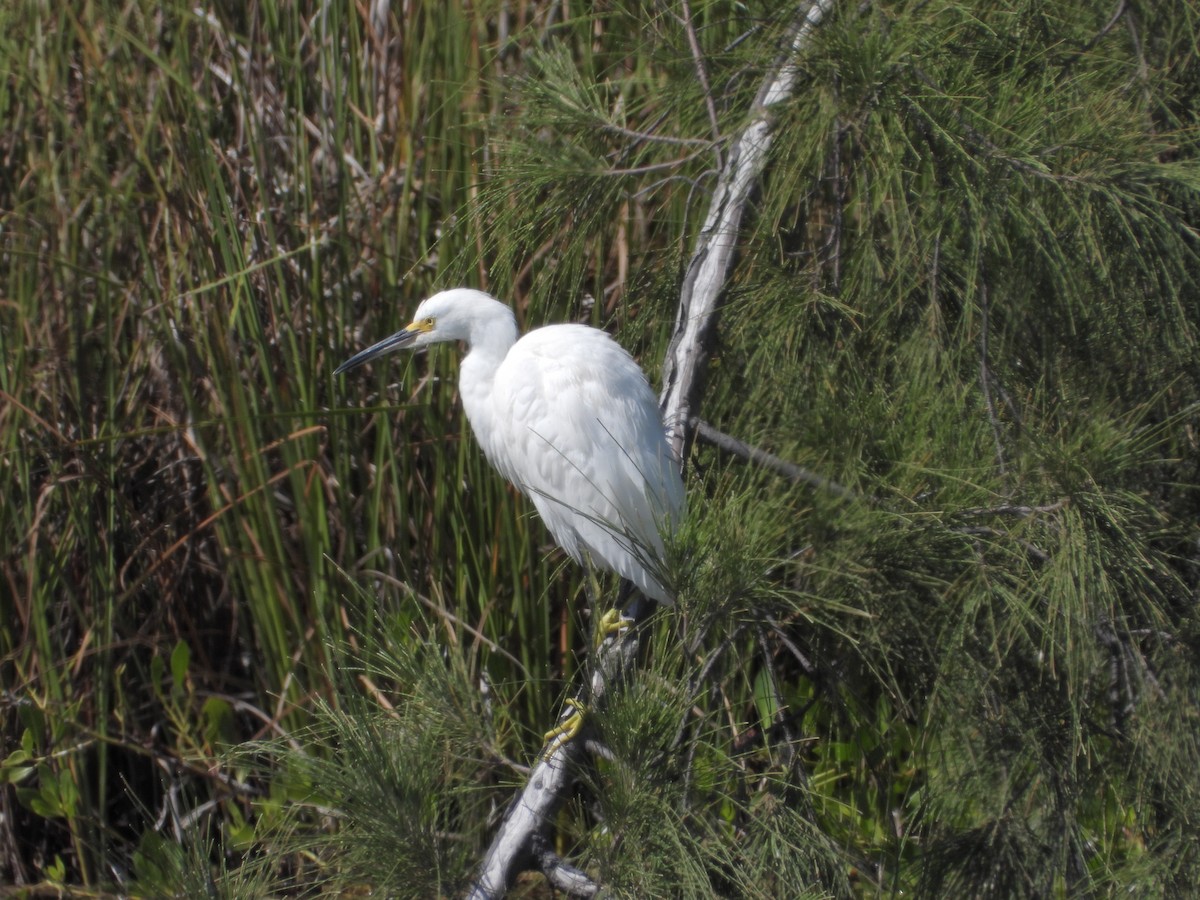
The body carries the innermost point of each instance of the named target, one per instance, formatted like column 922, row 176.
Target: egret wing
column 579, row 430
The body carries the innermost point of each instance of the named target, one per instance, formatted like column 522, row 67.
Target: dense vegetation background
column 264, row 631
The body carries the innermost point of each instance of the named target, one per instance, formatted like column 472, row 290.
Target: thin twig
column 788, row 470
column 656, row 167
column 1031, row 549
column 1112, row 22
column 649, row 136
column 1008, row 509
column 702, row 75
column 805, row 663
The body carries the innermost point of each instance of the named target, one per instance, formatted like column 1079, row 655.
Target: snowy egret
column 566, row 415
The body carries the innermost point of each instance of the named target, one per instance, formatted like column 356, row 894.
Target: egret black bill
column 397, row 341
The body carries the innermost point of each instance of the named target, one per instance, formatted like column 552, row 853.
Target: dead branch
column 712, row 257
column 788, row 470
column 522, row 842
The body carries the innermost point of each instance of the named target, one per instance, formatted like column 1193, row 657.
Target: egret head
column 460, row 314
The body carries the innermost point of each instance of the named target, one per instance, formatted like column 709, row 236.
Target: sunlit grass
column 261, row 627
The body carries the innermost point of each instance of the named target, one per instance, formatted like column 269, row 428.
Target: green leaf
column 56, row 872
column 156, row 673
column 44, row 799
column 181, row 656
column 12, row 770
column 219, row 727
column 764, row 700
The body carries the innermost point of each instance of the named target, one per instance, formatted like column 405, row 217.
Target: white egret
column 566, row 415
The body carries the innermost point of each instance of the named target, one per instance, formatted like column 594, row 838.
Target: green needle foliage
column 267, row 632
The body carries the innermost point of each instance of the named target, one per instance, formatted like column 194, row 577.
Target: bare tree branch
column 521, row 843
column 562, row 875
column 530, row 814
column 788, row 470
column 712, row 257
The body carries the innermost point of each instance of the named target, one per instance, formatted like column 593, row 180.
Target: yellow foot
column 611, row 623
column 566, row 730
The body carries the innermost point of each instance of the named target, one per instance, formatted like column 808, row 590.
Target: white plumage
column 566, row 415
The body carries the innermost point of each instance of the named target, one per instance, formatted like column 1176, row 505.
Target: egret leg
column 566, row 730
column 632, row 608
column 612, row 623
